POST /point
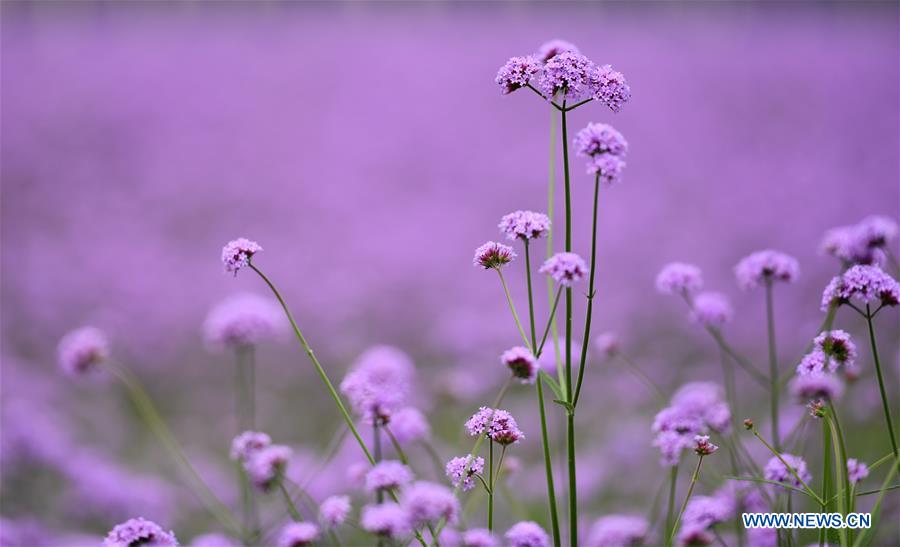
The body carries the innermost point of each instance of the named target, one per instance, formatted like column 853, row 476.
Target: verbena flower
column 524, row 225
column 867, row 284
column 600, row 138
column 139, row 531
column 565, row 268
column 498, row 425
column 607, row 167
column 527, row 534
column 81, row 350
column 428, row 502
column 408, row 424
column 493, row 255
column 522, row 363
column 706, row 401
column 839, row 346
column 387, row 475
column 766, row 266
column 862, row 243
column 679, row 278
column 551, row 49
column 298, row 534
column 700, row 515
column 237, row 253
column 702, row 446
column 776, row 471
column 816, row 385
column 386, row 519
column 856, row 470
column 815, row 362
column 247, row 443
column 712, row 309
column 266, row 466
column 517, row 73
column 609, row 87
column 569, row 74
column 334, row 510
column 697, row 407
column 461, row 472
column 618, row 531
column 379, row 382
column 243, row 320
column 479, row 537
column 607, row 344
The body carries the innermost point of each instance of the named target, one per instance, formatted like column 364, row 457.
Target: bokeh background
column 367, row 148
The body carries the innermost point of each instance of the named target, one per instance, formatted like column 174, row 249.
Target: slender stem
column 840, row 467
column 773, row 366
column 573, row 494
column 576, row 105
column 548, row 466
column 530, row 296
column 742, row 361
column 376, row 452
column 694, row 478
column 848, row 494
column 827, row 478
column 491, row 490
column 673, row 481
column 643, row 377
column 512, row 308
column 591, row 293
column 396, row 444
column 318, row 366
column 289, row 503
column 884, row 397
column 876, row 509
column 790, row 468
column 551, row 323
column 244, row 417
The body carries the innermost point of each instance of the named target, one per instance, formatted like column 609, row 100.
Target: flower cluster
column 618, row 531
column 776, row 471
column 461, row 470
column 816, row 381
column 764, row 267
column 565, row 268
column 264, row 462
column 334, row 510
column 479, row 537
column 388, row 475
column 408, row 424
column 695, row 409
column 243, row 320
column 605, row 149
column 388, row 520
column 498, row 425
column 711, row 309
column 525, row 225
column 700, row 515
column 81, row 350
column 867, row 284
column 856, row 470
column 139, row 531
column 493, row 255
column 517, row 73
column 527, row 534
column 428, row 503
column 861, row 243
column 679, row 278
column 702, row 446
column 236, row 254
column 298, row 534
column 522, row 363
column 379, row 382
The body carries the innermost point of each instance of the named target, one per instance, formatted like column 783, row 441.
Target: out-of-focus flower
column 527, row 534
column 298, row 534
column 765, row 267
column 551, row 49
column 525, row 225
column 565, row 268
column 864, row 283
column 82, row 349
column 385, row 519
column 600, row 138
column 776, row 470
column 856, row 470
column 862, row 243
column 607, row 167
column 428, row 502
column 479, row 537
column 695, row 408
column 568, row 73
column 702, row 446
column 701, row 514
column 498, row 425
column 387, row 475
column 334, row 510
column 815, row 362
column 607, row 344
column 408, row 424
column 609, row 87
column 816, row 386
column 706, row 401
column 618, row 531
column 243, row 320
column 379, row 382
column 237, row 253
column 247, row 443
column 214, row 540
column 837, row 345
column 517, row 73
column 679, row 278
column 139, row 531
column 460, row 470
column 522, row 363
column 267, row 465
column 711, row 309
column 493, row 255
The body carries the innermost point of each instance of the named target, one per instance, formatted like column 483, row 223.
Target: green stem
column 573, row 494
column 694, row 478
column 530, row 297
column 742, row 361
column 548, row 466
column 673, row 482
column 876, row 509
column 512, row 308
column 376, row 452
column 551, row 324
column 833, row 416
column 591, row 293
column 840, row 467
column 773, row 366
column 289, row 503
column 318, row 366
column 396, row 444
column 827, row 479
column 884, row 397
column 491, row 490
column 244, row 416
column 790, row 468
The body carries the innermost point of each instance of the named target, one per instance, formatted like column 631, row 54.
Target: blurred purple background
column 367, row 148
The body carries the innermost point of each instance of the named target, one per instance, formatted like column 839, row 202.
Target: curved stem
column 551, row 322
column 591, row 293
column 673, row 482
column 694, row 478
column 773, row 366
column 880, row 375
column 289, row 503
column 491, row 481
column 790, row 468
column 548, row 466
column 512, row 308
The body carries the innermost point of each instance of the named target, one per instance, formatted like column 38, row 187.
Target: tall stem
column 552, row 325
column 548, row 466
column 590, row 297
column 827, row 479
column 673, row 481
column 573, row 494
column 530, row 299
column 318, row 366
column 884, row 397
column 491, row 489
column 245, row 419
column 773, row 366
column 376, row 452
column 694, row 478
column 512, row 308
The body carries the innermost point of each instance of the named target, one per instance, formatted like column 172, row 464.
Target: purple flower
column 851, row 246
column 864, row 283
column 776, row 471
column 498, row 425
column 139, row 531
column 815, row 362
column 387, row 475
column 765, row 267
column 517, row 73
column 379, row 382
column 568, row 73
column 522, row 363
column 696, row 407
column 409, row 424
column 856, row 470
column 711, row 309
column 670, row 445
column 527, row 534
column 334, row 510
column 816, row 385
column 82, row 349
column 679, row 278
column 525, row 225
column 607, row 167
column 876, row 231
column 618, row 531
column 493, row 255
column 600, row 138
column 837, row 345
column 702, row 446
column 298, row 534
column 427, row 502
column 237, row 254
column 266, row 466
column 460, row 470
column 609, row 87
column 565, row 268
column 479, row 537
column 243, row 320
column 553, row 48
column 705, row 400
column 385, row 519
column 247, row 443
column 701, row 513
column 607, row 344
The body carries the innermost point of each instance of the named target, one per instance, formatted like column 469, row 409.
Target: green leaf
column 554, row 385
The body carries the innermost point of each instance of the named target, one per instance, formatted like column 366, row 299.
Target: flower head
column 679, row 278
column 568, row 73
column 876, row 231
column 608, row 344
column 856, row 470
column 409, row 424
column 266, row 466
column 776, row 470
column 565, row 268
column 522, row 363
column 702, row 446
column 237, row 253
column 517, row 73
column 765, row 267
column 696, row 408
column 460, row 471
column 553, row 48
column 607, row 167
column 837, row 345
column 479, row 537
column 816, row 385
column 243, row 320
column 379, row 382
column 527, row 534
column 525, row 225
column 701, row 514
column 867, row 284
column 428, row 502
column 815, row 362
column 247, row 443
column 618, row 531
column 298, row 534
column 334, row 510
column 81, row 350
column 600, row 138
column 493, row 255
column 387, row 475
column 498, row 425
column 139, row 531
column 711, row 309
column 609, row 87
column 385, row 519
